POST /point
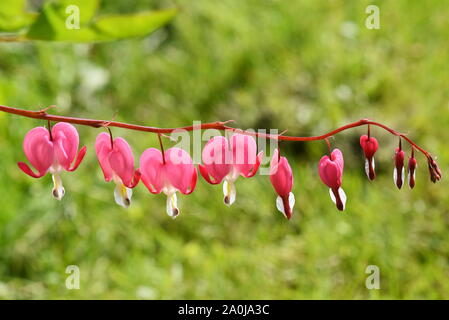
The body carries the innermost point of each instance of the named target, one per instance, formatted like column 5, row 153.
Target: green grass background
column 306, row 66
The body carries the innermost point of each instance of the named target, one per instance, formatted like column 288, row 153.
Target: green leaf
column 55, row 23
column 10, row 8
column 51, row 25
column 137, row 25
column 87, row 9
column 13, row 16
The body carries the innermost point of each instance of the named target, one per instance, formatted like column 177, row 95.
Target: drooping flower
column 412, row 164
column 52, row 151
column 434, row 170
column 224, row 160
column 369, row 145
column 281, row 178
column 331, row 173
column 398, row 172
column 117, row 163
column 168, row 173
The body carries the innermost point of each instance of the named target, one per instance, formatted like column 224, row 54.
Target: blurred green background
column 306, row 66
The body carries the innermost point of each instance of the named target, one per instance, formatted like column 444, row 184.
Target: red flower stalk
column 53, row 151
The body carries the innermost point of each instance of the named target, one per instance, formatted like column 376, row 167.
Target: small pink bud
column 434, row 170
column 412, row 164
column 331, row 173
column 398, row 172
column 281, row 178
column 369, row 146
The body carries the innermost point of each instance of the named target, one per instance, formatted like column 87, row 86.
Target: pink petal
column 330, row 172
column 281, row 175
column 121, row 160
column 254, row 169
column 25, row 168
column 216, row 158
column 39, row 149
column 369, row 146
column 206, row 175
column 337, row 156
column 244, row 151
column 136, row 179
column 180, row 171
column 152, row 170
column 79, row 158
column 103, row 149
column 66, row 141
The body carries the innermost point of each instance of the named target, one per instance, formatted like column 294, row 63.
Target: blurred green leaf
column 54, row 23
column 13, row 16
column 51, row 25
column 87, row 8
column 140, row 24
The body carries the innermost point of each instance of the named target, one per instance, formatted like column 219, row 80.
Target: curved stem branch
column 219, row 125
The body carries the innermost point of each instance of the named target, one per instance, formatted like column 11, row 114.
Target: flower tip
column 227, row 201
column 434, row 170
column 285, row 205
column 338, row 196
column 175, row 213
column 229, row 192
column 58, row 193
column 370, row 169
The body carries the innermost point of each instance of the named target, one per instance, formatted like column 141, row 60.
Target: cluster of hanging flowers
column 53, row 150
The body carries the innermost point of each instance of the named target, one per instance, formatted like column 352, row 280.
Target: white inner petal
column 332, row 196
column 410, row 177
column 280, row 205
column 58, row 189
column 122, row 195
column 291, row 200
column 229, row 192
column 367, row 167
column 172, row 205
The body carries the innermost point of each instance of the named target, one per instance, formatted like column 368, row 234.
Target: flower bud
column 398, row 173
column 412, row 164
column 434, row 170
column 369, row 146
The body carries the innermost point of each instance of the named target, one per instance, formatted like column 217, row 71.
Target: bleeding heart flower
column 412, row 164
column 331, row 173
column 117, row 163
column 369, row 146
column 281, row 178
column 226, row 161
column 398, row 172
column 168, row 173
column 52, row 152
